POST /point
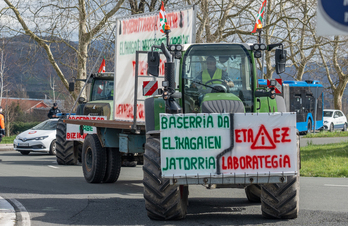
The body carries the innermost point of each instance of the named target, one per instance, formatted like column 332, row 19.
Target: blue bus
column 299, row 98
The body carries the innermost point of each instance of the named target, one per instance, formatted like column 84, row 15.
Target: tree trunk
column 338, row 94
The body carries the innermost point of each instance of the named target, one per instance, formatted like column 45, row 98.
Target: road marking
column 22, row 212
column 7, row 213
column 335, row 185
column 54, row 167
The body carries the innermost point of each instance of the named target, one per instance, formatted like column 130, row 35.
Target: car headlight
column 40, row 138
column 326, row 122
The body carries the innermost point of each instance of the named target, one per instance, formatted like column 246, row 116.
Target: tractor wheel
column 94, row 159
column 253, row 193
column 282, row 200
column 113, row 166
column 64, row 149
column 162, row 200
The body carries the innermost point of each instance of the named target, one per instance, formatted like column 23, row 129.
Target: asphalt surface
column 9, row 211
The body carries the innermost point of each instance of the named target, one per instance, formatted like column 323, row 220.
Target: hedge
column 18, row 127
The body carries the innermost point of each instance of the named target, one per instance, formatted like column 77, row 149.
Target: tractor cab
column 217, row 78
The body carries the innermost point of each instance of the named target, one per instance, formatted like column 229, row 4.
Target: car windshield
column 46, row 125
column 328, row 113
column 231, row 63
column 103, row 90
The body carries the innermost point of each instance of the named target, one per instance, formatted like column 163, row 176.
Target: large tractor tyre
column 162, row 200
column 113, row 166
column 253, row 193
column 64, row 149
column 282, row 200
column 94, row 159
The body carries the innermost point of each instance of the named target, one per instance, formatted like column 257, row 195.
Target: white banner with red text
column 139, row 33
column 73, row 131
column 228, row 144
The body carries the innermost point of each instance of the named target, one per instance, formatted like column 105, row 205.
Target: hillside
column 28, row 71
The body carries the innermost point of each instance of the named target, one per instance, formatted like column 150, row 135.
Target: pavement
column 7, row 212
column 322, row 140
column 6, row 147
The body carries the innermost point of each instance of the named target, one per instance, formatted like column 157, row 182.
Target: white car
column 40, row 138
column 334, row 120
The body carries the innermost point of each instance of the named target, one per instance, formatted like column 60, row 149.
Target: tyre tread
column 64, row 149
column 162, row 200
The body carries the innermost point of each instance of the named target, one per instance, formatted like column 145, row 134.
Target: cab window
column 103, row 90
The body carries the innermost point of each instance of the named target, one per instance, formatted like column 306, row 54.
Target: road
column 58, row 195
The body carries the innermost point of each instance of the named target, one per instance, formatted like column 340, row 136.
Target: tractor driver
column 212, row 73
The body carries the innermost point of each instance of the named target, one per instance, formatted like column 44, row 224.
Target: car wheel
column 25, row 152
column 344, row 127
column 331, row 129
column 53, row 148
column 309, row 127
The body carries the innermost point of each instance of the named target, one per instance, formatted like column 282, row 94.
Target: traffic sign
column 332, row 17
column 150, row 88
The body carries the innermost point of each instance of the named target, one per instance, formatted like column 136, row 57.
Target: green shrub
column 18, row 127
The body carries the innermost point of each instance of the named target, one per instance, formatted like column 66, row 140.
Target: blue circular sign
column 335, row 13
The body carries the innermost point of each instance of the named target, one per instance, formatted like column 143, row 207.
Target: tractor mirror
column 153, row 61
column 71, row 86
column 280, row 59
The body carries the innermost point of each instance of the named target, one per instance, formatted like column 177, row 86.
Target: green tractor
column 100, row 87
column 212, row 78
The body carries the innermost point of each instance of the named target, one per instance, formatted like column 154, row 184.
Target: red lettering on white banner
column 256, row 162
column 263, row 139
column 147, row 24
column 126, row 111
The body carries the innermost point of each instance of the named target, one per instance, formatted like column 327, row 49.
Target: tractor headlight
column 172, row 48
column 178, row 47
column 262, row 46
column 256, row 47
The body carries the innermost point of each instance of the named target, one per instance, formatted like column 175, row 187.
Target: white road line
column 23, row 212
column 335, row 185
column 7, row 213
column 54, row 167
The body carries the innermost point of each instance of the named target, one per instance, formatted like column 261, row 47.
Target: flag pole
column 263, row 52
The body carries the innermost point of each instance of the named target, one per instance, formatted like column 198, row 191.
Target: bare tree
column 57, row 21
column 334, row 62
column 53, row 85
column 2, row 70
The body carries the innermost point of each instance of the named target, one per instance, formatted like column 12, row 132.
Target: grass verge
column 330, row 160
column 327, row 134
column 8, row 140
